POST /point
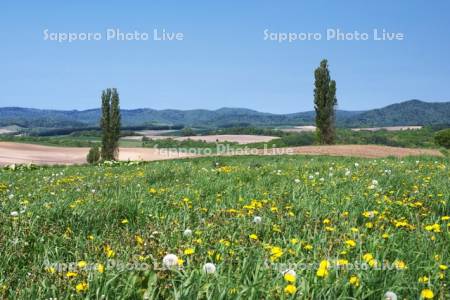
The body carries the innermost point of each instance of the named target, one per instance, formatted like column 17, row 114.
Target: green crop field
column 227, row 228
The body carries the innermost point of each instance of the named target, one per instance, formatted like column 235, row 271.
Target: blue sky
column 223, row 59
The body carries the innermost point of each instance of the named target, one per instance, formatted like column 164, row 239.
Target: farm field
column 21, row 153
column 278, row 227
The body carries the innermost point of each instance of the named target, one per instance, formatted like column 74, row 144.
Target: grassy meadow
column 282, row 227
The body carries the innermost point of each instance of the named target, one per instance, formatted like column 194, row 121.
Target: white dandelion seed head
column 390, row 296
column 14, row 214
column 187, row 233
column 170, row 261
column 257, row 219
column 209, row 268
column 375, row 182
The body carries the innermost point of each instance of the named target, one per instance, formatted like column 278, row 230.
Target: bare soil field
column 18, row 153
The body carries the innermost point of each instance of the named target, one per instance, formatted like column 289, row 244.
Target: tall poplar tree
column 324, row 104
column 110, row 124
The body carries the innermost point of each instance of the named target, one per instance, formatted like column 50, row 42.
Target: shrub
column 442, row 138
column 93, row 155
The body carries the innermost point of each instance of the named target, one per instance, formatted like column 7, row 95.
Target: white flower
column 356, row 165
column 375, row 182
column 14, row 214
column 347, row 173
column 170, row 261
column 297, row 180
column 209, row 268
column 311, row 177
column 257, row 219
column 390, row 296
column 187, row 232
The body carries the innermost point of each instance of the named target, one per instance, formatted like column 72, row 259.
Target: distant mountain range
column 412, row 112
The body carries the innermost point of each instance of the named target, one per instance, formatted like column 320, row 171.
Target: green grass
column 310, row 206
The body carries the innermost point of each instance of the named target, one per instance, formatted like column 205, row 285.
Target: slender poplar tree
column 324, row 104
column 110, row 124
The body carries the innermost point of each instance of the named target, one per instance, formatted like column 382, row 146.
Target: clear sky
column 223, row 59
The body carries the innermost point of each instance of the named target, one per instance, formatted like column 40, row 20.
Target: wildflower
column 427, row 294
column 434, row 228
column 108, row 251
column 170, row 261
column 390, row 296
column 354, row 280
column 276, row 252
column 443, row 267
column 308, row 247
column 187, row 233
column 189, row 251
column 209, row 268
column 71, row 274
column 139, row 240
column 253, row 237
column 423, row 279
column 124, row 221
column 369, row 225
column 290, row 276
column 290, row 289
column 82, row 287
column 400, row 264
column 100, row 268
column 322, row 271
column 257, row 219
column 342, row 262
column 51, row 270
column 81, row 264
column 350, row 243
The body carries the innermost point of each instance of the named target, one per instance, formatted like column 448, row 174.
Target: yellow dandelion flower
column 81, row 264
column 253, row 236
column 350, row 243
column 100, row 268
column 189, row 251
column 82, row 287
column 427, row 294
column 71, row 274
column 354, row 280
column 289, row 277
column 400, row 264
column 290, row 289
column 109, row 252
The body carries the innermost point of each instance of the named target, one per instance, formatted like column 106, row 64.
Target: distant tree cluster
column 324, row 104
column 442, row 138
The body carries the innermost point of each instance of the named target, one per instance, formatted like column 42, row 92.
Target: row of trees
column 324, row 104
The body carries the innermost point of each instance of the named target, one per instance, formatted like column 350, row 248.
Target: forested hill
column 413, row 112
